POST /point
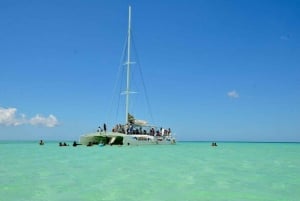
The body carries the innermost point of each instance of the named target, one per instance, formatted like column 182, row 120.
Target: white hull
column 126, row 140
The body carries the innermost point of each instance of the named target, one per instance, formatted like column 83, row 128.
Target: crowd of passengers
column 132, row 129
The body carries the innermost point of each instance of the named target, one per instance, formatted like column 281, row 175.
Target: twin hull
column 114, row 138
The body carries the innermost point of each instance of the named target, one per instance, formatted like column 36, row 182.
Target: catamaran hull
column 123, row 139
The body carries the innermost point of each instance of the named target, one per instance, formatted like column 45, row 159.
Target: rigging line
column 119, row 74
column 120, row 91
column 142, row 77
column 118, row 106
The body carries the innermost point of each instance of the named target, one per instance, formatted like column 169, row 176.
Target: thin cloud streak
column 233, row 94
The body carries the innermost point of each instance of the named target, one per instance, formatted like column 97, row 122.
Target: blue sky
column 214, row 70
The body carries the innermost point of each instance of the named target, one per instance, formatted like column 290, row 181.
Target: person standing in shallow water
column 214, row 144
column 104, row 127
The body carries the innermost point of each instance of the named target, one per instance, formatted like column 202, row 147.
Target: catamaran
column 133, row 131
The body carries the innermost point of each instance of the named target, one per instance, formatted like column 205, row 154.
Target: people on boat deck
column 134, row 129
column 119, row 128
column 41, row 142
column 152, row 132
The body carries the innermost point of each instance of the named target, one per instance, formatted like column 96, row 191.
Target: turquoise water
column 188, row 171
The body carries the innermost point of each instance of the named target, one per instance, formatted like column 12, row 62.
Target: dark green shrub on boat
column 102, row 139
column 118, row 141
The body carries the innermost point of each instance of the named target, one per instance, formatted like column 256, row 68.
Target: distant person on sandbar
column 214, row 144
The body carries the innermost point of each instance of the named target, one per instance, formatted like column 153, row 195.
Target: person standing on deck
column 104, row 127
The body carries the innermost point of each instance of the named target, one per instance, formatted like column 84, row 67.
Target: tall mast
column 128, row 65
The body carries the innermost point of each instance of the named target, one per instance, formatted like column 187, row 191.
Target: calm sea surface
column 188, row 171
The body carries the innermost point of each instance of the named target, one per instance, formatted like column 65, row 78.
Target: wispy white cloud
column 233, row 94
column 49, row 121
column 10, row 117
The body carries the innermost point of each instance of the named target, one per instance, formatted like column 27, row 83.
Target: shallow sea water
column 188, row 171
